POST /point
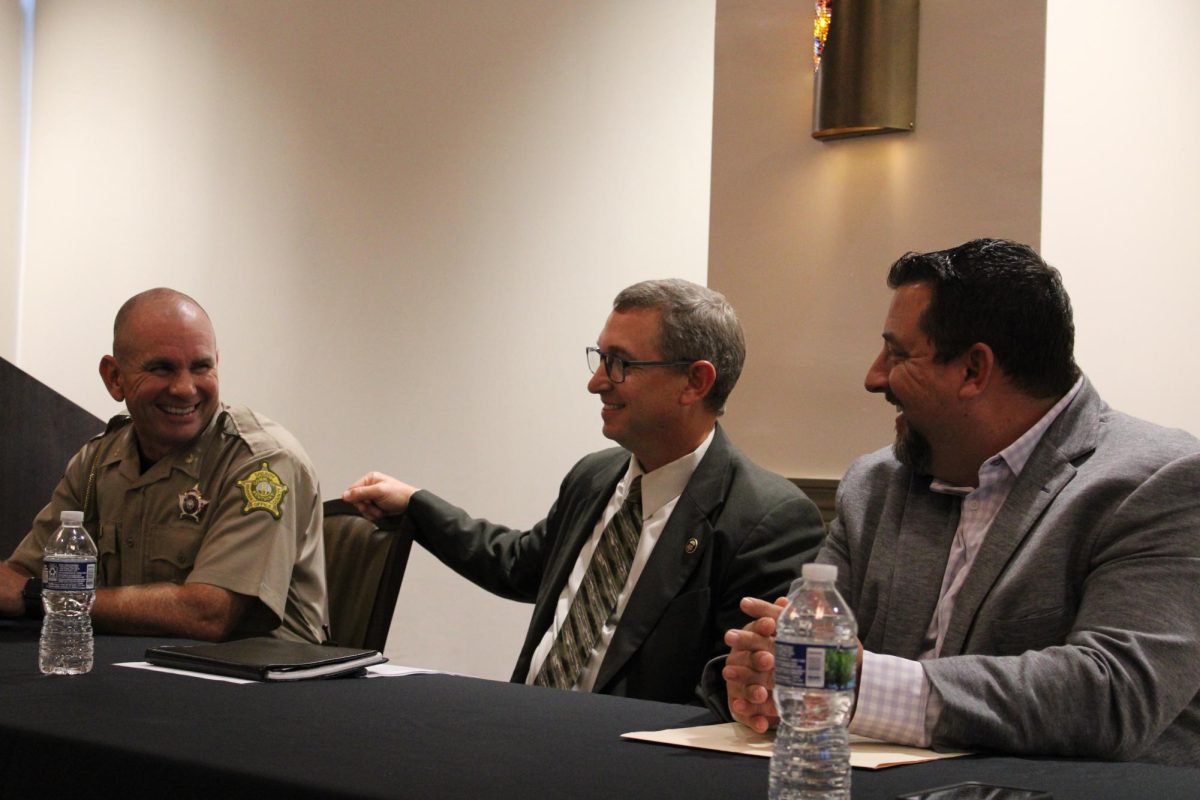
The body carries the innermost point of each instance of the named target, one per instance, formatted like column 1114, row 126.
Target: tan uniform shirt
column 240, row 509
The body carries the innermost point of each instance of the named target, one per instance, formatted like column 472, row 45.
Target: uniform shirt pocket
column 107, row 538
column 171, row 552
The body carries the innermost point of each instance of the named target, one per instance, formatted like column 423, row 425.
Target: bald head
column 164, row 368
column 154, row 304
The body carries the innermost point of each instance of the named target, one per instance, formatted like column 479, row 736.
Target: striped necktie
column 596, row 599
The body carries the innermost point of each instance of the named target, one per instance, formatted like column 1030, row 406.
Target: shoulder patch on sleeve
column 263, row 490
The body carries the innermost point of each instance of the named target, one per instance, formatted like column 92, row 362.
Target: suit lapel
column 1047, row 472
column 597, row 493
column 674, row 558
column 914, row 571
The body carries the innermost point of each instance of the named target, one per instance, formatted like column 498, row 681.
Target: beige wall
column 802, row 232
column 10, row 158
column 407, row 220
column 1120, row 208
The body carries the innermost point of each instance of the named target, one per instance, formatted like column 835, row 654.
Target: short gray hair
column 697, row 324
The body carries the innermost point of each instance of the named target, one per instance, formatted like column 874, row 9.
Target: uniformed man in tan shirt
column 207, row 518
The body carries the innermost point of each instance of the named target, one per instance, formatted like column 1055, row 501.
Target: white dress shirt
column 660, row 494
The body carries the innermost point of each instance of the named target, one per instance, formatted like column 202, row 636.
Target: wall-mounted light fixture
column 865, row 54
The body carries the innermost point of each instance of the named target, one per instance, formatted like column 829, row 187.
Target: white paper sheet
column 731, row 737
column 376, row 671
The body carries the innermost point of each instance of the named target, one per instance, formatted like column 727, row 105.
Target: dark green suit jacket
column 753, row 530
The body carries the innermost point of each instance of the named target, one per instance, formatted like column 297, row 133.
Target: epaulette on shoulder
column 245, row 424
column 115, row 424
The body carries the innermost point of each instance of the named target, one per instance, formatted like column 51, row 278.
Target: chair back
column 40, row 431
column 364, row 566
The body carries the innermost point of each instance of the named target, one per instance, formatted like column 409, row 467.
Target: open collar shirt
column 894, row 701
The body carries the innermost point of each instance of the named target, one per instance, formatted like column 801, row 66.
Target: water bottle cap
column 72, row 519
column 824, row 573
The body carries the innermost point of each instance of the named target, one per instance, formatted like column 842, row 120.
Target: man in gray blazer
column 1024, row 561
column 707, row 525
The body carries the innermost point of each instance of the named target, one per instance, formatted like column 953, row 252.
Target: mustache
column 891, row 398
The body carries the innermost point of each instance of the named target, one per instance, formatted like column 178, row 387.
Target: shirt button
column 129, row 541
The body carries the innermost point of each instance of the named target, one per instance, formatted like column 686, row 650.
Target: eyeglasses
column 616, row 367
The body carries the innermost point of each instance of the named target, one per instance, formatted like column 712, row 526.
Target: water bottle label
column 75, row 575
column 814, row 666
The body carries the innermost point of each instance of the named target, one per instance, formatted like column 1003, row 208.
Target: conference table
column 130, row 733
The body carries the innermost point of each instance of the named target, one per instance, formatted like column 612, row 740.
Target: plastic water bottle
column 68, row 590
column 815, row 653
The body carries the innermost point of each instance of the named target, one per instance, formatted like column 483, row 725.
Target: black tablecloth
column 130, row 733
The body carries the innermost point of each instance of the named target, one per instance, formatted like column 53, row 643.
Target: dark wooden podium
column 39, row 432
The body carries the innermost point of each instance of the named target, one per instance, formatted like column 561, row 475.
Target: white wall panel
column 1120, row 209
column 407, row 220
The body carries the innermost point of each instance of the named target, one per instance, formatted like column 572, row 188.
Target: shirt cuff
column 893, row 696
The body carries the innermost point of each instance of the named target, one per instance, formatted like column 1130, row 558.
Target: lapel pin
column 692, row 545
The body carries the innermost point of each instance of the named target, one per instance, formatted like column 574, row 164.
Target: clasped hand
column 749, row 671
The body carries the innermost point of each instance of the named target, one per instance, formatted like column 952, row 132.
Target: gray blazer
column 751, row 528
column 1077, row 631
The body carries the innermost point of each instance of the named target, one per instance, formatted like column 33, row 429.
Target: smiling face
column 922, row 389
column 165, row 370
column 643, row 414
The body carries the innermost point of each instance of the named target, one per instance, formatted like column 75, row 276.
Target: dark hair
column 1004, row 295
column 697, row 323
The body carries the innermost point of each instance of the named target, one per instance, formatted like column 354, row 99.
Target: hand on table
column 12, row 583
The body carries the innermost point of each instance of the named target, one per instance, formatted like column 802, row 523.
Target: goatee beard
column 913, row 450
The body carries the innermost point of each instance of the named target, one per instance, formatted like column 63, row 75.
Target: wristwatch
column 32, row 594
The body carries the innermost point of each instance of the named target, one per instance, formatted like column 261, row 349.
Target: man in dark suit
column 638, row 569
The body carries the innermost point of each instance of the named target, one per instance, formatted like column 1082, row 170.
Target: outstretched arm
column 376, row 495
